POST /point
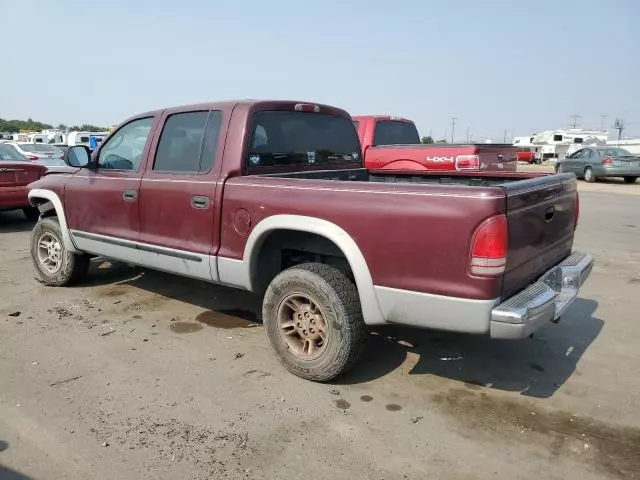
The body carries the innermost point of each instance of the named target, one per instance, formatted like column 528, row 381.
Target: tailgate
column 541, row 215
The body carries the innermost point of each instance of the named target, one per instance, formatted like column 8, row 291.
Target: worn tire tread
column 74, row 266
column 354, row 334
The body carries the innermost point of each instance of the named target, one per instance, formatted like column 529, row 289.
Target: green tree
column 442, row 140
column 428, row 139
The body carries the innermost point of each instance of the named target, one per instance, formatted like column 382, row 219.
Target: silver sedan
column 41, row 153
column 592, row 163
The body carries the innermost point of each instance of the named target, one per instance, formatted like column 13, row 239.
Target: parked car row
column 274, row 197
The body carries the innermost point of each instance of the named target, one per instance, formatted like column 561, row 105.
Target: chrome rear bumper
column 543, row 301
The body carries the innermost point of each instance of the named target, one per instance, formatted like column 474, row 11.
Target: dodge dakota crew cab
column 393, row 143
column 271, row 197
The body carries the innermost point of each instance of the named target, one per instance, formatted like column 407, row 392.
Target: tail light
column 32, row 157
column 489, row 247
column 468, row 162
column 576, row 213
column 607, row 162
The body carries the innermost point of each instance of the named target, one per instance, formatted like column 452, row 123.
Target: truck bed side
column 413, row 237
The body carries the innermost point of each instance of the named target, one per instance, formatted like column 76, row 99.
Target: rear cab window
column 305, row 139
column 395, row 132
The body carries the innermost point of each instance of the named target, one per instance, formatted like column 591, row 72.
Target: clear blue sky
column 517, row 65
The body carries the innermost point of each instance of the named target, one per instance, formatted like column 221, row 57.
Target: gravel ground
column 137, row 374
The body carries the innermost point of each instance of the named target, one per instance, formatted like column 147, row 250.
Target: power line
column 602, row 119
column 575, row 118
column 453, row 127
column 619, row 125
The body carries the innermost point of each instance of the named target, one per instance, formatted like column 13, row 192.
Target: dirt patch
column 613, row 449
column 342, row 404
column 393, row 407
column 185, row 327
column 215, row 453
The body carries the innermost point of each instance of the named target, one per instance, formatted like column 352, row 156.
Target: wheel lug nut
column 311, row 330
column 304, row 332
column 313, row 321
column 299, row 325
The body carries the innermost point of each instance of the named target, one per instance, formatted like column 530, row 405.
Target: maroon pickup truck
column 271, row 197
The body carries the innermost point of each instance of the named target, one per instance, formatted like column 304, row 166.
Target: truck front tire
column 313, row 320
column 55, row 266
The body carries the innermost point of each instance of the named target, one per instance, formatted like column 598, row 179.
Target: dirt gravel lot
column 137, row 374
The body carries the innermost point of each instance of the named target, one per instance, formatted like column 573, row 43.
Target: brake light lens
column 489, row 247
column 576, row 214
column 306, row 107
column 32, row 157
column 607, row 162
column 468, row 162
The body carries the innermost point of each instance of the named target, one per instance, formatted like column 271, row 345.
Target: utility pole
column 619, row 125
column 453, row 127
column 504, row 140
column 575, row 118
column 602, row 119
column 468, row 134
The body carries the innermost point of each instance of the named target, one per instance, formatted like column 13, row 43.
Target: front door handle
column 129, row 195
column 200, row 201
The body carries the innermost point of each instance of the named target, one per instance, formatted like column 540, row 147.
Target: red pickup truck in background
column 271, row 197
column 393, row 143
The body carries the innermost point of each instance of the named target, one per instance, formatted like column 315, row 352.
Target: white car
column 41, row 153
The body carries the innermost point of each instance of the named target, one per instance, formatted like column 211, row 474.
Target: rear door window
column 288, row 138
column 394, row 132
column 188, row 142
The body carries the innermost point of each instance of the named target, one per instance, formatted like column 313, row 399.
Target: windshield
column 303, row 139
column 39, row 148
column 614, row 152
column 394, row 132
column 9, row 154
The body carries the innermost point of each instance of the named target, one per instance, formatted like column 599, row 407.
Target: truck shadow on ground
column 13, row 222
column 535, row 367
column 7, row 473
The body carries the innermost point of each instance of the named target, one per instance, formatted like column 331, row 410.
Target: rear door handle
column 129, row 195
column 200, row 201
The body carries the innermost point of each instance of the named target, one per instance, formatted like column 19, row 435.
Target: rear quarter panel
column 412, row 237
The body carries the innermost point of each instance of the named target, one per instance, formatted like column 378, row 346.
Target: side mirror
column 77, row 156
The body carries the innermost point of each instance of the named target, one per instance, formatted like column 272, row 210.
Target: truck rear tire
column 55, row 266
column 313, row 320
column 630, row 179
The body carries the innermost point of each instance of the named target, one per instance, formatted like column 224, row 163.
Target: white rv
column 630, row 145
column 557, row 144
